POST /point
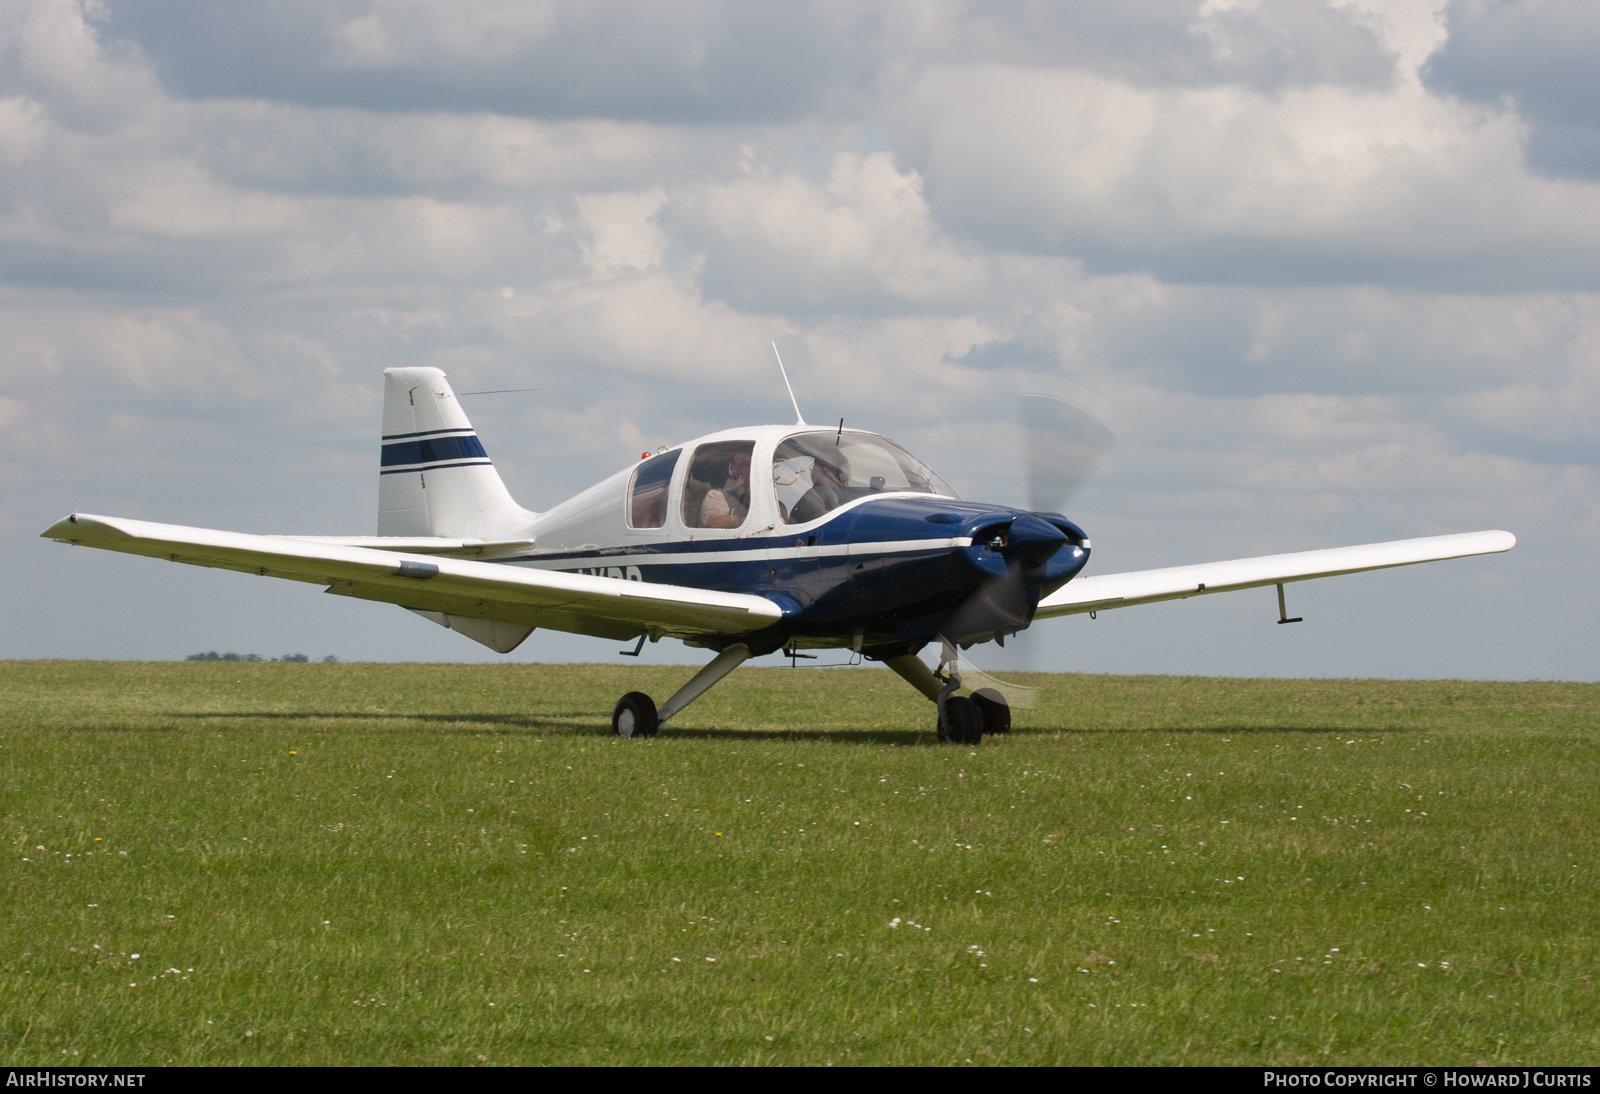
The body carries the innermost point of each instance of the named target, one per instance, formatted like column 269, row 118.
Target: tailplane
column 435, row 479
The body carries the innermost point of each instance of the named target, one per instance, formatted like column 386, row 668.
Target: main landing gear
column 636, row 715
column 962, row 720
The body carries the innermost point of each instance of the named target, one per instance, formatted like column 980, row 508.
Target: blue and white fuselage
column 882, row 568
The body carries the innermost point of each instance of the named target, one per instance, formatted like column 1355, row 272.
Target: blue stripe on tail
column 426, row 450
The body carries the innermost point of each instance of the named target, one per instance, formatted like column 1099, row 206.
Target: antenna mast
column 798, row 418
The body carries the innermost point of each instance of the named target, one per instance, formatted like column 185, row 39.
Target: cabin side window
column 647, row 493
column 716, row 491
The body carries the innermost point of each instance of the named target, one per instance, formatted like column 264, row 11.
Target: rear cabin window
column 647, row 493
column 716, row 491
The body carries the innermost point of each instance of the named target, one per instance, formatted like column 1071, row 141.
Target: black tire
column 634, row 716
column 995, row 710
column 963, row 723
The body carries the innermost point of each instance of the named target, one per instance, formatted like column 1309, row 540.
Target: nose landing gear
column 960, row 721
column 996, row 712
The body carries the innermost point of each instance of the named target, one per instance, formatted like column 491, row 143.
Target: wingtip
column 62, row 530
column 83, row 528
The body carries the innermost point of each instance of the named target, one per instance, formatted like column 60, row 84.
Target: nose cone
column 1033, row 541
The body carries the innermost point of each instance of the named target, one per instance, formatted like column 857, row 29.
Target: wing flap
column 518, row 594
column 1094, row 594
column 502, row 611
column 424, row 545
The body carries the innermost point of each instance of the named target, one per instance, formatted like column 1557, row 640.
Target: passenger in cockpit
column 830, row 479
column 727, row 507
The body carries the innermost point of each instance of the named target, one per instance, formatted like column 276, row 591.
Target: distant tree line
column 297, row 658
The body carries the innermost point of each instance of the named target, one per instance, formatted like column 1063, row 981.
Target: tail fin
column 435, row 478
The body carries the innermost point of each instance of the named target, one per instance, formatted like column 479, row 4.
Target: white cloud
column 1311, row 185
column 862, row 236
column 395, row 33
column 622, row 231
column 57, row 343
column 343, row 150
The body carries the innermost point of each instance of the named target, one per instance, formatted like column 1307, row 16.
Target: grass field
column 453, row 864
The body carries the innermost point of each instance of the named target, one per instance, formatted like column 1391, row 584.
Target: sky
column 1329, row 270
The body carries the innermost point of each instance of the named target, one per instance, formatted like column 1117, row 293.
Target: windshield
column 815, row 473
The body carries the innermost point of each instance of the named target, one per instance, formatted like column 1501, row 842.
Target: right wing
column 601, row 606
column 1098, row 594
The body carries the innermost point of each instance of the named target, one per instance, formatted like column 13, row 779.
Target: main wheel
column 634, row 716
column 995, row 710
column 963, row 724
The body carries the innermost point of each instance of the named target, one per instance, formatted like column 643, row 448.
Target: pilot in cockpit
column 830, row 481
column 727, row 507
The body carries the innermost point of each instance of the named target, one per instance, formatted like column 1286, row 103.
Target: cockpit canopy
column 812, row 475
column 815, row 473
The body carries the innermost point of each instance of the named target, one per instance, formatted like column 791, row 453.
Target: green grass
column 356, row 861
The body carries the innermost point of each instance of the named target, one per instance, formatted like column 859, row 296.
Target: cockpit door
column 717, row 498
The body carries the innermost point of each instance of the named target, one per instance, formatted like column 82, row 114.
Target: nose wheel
column 994, row 709
column 635, row 716
column 962, row 722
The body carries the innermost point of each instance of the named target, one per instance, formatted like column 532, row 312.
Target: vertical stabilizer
column 435, row 479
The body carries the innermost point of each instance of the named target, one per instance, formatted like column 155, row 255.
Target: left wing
column 1098, row 594
column 601, row 606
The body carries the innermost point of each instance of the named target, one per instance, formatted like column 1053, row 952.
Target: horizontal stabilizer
column 580, row 603
column 1098, row 594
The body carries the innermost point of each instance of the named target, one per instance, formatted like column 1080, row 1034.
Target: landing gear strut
column 636, row 714
column 960, row 720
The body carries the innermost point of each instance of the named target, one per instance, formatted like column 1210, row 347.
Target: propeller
column 1064, row 445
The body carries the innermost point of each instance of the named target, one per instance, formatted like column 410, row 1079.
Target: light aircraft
column 745, row 542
